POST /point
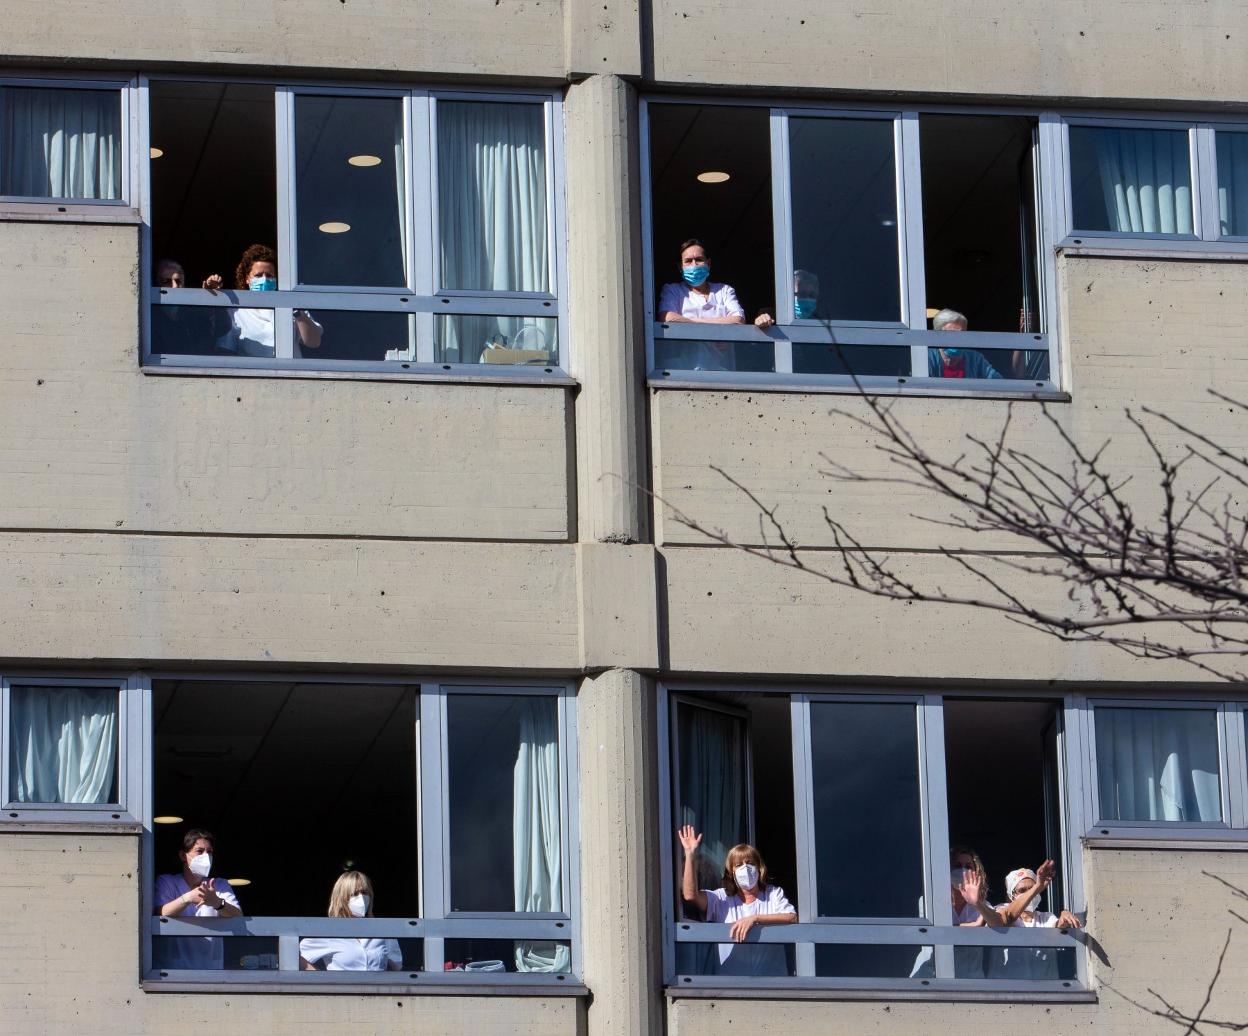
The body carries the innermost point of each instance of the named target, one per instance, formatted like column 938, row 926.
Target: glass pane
column 350, row 191
column 1130, row 181
column 490, row 339
column 506, row 850
column 714, row 356
column 842, row 960
column 60, row 143
column 214, row 953
column 1158, row 764
column 492, row 214
column 865, row 775
column 1011, row 364
column 491, row 956
column 1232, row 151
column 63, row 744
column 844, row 217
column 730, row 958
column 360, row 335
column 1029, row 963
column 862, row 360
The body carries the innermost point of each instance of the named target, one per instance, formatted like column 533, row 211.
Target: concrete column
column 620, row 925
column 604, row 308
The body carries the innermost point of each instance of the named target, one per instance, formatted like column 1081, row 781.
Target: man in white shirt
column 193, row 893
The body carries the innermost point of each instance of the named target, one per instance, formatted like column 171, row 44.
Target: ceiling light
column 238, row 882
column 167, row 820
column 712, row 176
column 155, row 152
column 363, row 161
column 931, row 312
column 334, row 228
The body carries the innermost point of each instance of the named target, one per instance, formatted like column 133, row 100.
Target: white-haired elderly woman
column 956, row 362
column 1032, row 963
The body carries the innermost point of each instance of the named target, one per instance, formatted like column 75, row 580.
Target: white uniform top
column 192, row 952
column 693, row 305
column 741, row 958
column 352, row 954
column 1028, row 963
column 251, row 333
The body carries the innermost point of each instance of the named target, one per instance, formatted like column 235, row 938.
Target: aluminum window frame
column 126, row 811
column 124, row 209
column 419, row 297
column 917, row 932
column 436, row 922
column 910, row 331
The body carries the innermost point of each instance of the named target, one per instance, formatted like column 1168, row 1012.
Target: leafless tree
column 1168, row 584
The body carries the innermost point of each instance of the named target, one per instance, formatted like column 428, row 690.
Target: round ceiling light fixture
column 155, row 152
column 334, row 228
column 363, row 161
column 713, row 176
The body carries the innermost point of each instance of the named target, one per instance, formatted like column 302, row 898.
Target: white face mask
column 956, row 876
column 358, row 905
column 746, row 876
column 201, row 865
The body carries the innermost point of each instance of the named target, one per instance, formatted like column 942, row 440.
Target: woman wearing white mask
column 352, row 897
column 745, row 900
column 1033, row 963
column 194, row 893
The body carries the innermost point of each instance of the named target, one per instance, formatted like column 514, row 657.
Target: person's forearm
column 776, row 919
column 722, row 320
column 991, row 917
column 688, row 883
column 1014, row 909
column 174, row 906
column 228, row 910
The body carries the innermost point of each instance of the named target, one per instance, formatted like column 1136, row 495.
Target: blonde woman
column 352, row 897
column 745, row 900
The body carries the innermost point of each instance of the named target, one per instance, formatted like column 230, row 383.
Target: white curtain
column 712, row 799
column 1146, row 178
column 536, row 830
column 1158, row 764
column 1233, row 183
column 64, row 744
column 61, row 143
column 492, row 214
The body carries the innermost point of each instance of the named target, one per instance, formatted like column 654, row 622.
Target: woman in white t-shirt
column 352, row 897
column 745, row 900
column 1030, row 963
column 251, row 330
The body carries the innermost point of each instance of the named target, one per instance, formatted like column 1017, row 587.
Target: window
column 454, row 800
column 850, row 240
column 855, row 801
column 405, row 230
column 64, row 145
column 69, row 749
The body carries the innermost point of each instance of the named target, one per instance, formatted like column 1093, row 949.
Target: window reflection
column 1131, row 181
column 495, row 339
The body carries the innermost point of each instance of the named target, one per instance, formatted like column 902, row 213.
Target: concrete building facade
column 380, row 603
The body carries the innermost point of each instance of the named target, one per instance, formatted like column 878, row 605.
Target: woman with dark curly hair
column 251, row 330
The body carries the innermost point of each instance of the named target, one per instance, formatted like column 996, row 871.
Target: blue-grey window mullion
column 1076, row 762
column 558, row 229
column 804, row 828
column 668, row 767
column 5, row 746
column 1225, row 778
column 910, row 234
column 433, row 821
column 782, row 236
column 649, row 316
column 145, row 766
column 143, row 144
column 570, row 830
column 1194, row 171
column 1053, row 224
column 935, row 799
column 421, row 159
column 1205, row 181
column 1237, row 764
column 287, row 231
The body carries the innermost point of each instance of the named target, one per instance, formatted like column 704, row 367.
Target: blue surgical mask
column 695, row 275
column 262, row 283
column 953, row 354
column 803, row 308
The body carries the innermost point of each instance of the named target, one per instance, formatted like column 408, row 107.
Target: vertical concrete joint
column 604, row 308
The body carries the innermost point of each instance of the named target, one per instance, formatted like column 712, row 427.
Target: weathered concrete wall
column 1138, row 333
column 87, row 442
column 1184, row 51
column 70, row 946
column 1162, row 925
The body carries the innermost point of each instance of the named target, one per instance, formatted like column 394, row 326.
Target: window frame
column 915, row 932
column 126, row 208
column 124, row 813
column 1233, row 775
column 433, row 925
column 1049, row 162
column 420, row 296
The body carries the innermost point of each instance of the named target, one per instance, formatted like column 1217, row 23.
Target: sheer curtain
column 492, row 215
column 1232, row 183
column 536, row 829
column 1146, row 178
column 64, row 744
column 713, row 800
column 61, row 143
column 1158, row 764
